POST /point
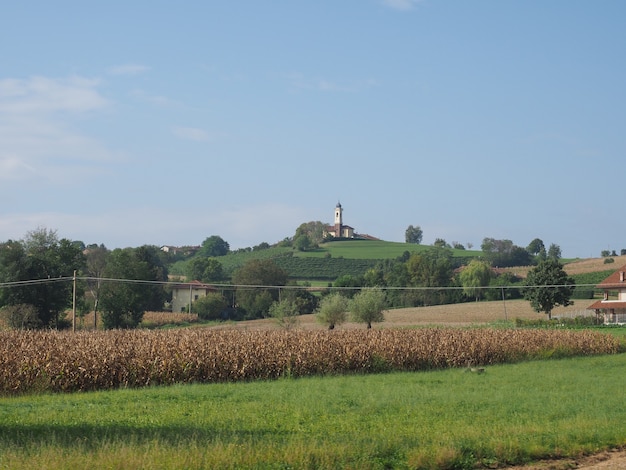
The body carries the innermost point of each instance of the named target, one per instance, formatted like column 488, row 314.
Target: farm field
column 582, row 266
column 510, row 414
column 464, row 314
column 451, row 418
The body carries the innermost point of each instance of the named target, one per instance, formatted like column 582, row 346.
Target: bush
column 579, row 321
column 21, row 317
column 210, row 307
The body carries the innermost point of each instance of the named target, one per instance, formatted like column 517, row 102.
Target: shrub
column 210, row 307
column 21, row 316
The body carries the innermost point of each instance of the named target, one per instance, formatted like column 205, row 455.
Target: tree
column 332, row 310
column 474, row 276
column 45, row 258
column 211, row 306
column 314, row 230
column 441, row 243
column 96, row 260
column 535, row 247
column 504, row 253
column 349, row 284
column 554, row 252
column 204, row 270
column 302, row 243
column 413, row 234
column 547, row 286
column 257, row 284
column 214, row 246
column 367, row 306
column 138, row 287
column 286, row 313
column 431, row 268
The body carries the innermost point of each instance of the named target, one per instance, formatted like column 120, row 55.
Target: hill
column 333, row 259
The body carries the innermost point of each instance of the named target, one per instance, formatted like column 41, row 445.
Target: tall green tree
column 431, row 268
column 138, row 286
column 214, row 246
column 554, row 252
column 258, row 283
column 204, row 270
column 42, row 257
column 476, row 275
column 367, row 306
column 537, row 249
column 547, row 286
column 413, row 234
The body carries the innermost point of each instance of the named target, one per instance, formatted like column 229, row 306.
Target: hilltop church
column 339, row 230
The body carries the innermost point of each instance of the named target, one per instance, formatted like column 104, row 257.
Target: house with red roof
column 613, row 304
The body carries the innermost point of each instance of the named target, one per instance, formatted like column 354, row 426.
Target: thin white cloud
column 191, row 133
column 157, row 100
column 38, row 139
column 43, row 94
column 301, row 82
column 402, row 5
column 127, row 69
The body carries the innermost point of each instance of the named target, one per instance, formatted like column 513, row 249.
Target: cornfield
column 56, row 361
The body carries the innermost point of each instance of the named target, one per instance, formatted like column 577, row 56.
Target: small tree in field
column 286, row 313
column 548, row 287
column 332, row 310
column 367, row 306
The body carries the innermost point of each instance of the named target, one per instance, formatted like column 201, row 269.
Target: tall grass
column 451, row 419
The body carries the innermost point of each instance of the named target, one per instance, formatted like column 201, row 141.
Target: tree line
column 258, row 289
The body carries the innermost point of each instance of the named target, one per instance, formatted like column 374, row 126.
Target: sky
column 156, row 122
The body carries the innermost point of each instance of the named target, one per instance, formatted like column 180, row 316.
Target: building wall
column 180, row 298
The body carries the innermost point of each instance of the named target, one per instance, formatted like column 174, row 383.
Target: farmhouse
column 613, row 304
column 185, row 294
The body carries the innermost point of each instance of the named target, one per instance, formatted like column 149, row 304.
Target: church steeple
column 338, row 218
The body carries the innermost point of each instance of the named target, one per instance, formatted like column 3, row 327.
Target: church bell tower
column 338, row 219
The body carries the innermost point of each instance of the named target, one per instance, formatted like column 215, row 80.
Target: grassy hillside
column 354, row 257
column 332, row 259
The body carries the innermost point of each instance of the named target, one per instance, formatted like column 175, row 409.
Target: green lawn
column 444, row 419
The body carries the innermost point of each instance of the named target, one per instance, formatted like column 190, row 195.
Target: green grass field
column 446, row 419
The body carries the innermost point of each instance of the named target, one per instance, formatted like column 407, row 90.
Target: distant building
column 184, row 294
column 613, row 304
column 339, row 230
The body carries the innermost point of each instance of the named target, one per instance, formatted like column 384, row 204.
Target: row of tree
column 124, row 283
column 35, row 274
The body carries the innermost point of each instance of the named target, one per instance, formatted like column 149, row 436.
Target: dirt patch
column 607, row 460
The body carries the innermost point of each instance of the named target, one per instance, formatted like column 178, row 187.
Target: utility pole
column 74, row 303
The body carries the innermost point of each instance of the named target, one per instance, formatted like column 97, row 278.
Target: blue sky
column 154, row 122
